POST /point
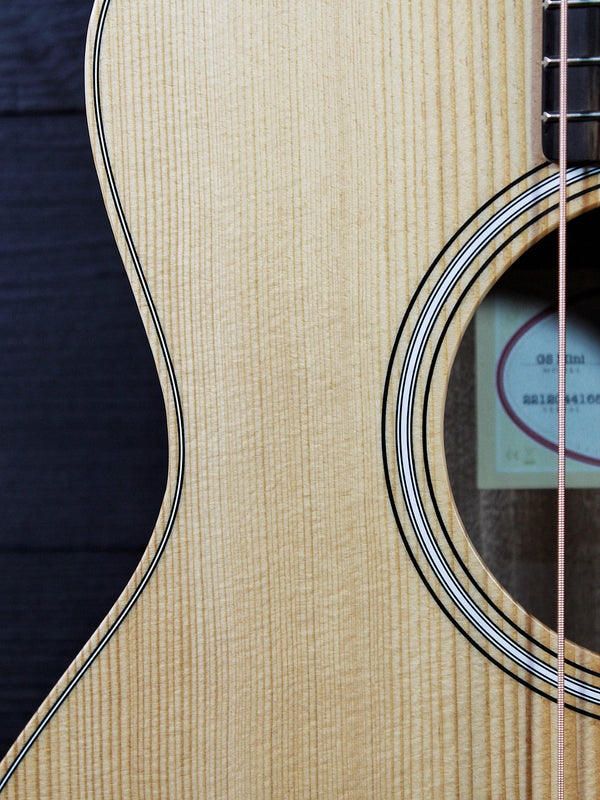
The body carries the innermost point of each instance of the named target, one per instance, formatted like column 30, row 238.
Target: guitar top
column 311, row 199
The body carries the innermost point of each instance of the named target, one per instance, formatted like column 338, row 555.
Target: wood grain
column 285, row 175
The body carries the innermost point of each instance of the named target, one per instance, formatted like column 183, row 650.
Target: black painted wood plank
column 80, row 404
column 83, row 435
column 51, row 622
column 41, row 54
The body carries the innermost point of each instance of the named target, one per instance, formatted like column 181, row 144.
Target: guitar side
column 280, row 179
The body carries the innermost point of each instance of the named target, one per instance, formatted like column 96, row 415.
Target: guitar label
column 517, row 393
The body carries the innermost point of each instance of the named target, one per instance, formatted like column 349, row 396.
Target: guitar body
column 310, row 199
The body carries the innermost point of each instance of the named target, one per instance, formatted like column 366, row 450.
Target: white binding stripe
column 178, row 412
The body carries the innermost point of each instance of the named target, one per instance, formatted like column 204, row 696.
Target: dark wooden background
column 83, row 443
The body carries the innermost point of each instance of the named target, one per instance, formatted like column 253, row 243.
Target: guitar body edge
column 290, row 184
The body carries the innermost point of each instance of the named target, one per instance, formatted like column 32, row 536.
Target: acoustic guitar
column 311, row 199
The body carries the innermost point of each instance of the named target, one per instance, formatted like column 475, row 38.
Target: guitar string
column 562, row 249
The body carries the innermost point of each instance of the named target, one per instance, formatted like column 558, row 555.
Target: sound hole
column 514, row 527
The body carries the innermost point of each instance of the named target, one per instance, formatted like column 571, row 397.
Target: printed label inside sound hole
column 500, row 432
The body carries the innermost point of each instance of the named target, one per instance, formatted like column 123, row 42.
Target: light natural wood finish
column 288, row 172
